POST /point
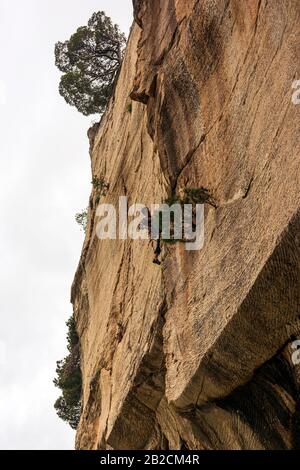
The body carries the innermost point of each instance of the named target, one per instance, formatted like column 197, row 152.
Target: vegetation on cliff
column 192, row 196
column 69, row 379
column 90, row 60
column 101, row 186
column 82, row 219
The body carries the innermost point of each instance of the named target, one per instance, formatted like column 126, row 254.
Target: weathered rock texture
column 197, row 354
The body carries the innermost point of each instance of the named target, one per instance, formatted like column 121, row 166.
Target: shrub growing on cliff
column 90, row 60
column 197, row 196
column 82, row 219
column 190, row 196
column 100, row 185
column 69, row 380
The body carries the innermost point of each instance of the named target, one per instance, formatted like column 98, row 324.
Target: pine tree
column 90, row 60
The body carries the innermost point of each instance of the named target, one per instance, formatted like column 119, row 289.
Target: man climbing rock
column 157, row 252
column 146, row 224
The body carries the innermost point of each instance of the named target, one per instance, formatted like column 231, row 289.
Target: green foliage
column 69, row 379
column 172, row 200
column 72, row 336
column 129, row 108
column 100, row 184
column 101, row 187
column 90, row 60
column 191, row 196
column 82, row 219
column 69, row 414
column 196, row 196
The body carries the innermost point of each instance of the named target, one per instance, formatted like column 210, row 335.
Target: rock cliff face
column 197, row 353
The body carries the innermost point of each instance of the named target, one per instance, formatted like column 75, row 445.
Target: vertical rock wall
column 197, row 353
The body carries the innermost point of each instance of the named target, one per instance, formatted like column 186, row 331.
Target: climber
column 157, row 252
column 146, row 224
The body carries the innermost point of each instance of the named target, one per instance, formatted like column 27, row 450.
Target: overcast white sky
column 45, row 180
